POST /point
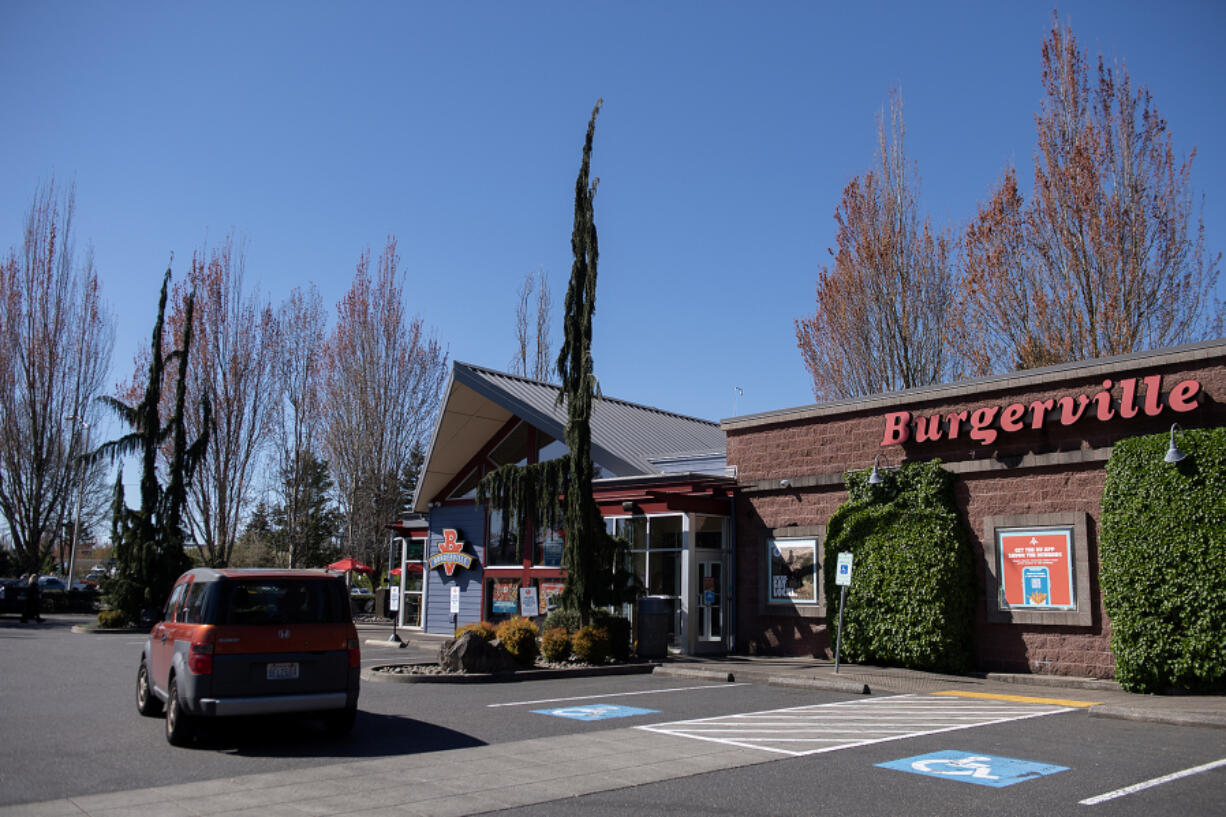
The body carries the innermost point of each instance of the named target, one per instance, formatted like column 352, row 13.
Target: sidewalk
column 1109, row 700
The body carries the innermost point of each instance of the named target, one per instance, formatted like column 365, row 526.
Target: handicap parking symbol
column 595, row 712
column 968, row 767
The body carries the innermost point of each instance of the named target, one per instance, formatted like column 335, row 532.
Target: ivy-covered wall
column 1163, row 556
column 911, row 599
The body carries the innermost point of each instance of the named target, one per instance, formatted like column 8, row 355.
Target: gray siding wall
column 469, row 520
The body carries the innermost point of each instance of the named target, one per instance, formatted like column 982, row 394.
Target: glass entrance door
column 710, row 601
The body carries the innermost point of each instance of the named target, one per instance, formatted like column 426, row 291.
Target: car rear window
column 282, row 601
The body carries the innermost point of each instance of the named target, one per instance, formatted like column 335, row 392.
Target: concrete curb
column 694, row 672
column 1066, row 681
column 824, row 684
column 377, row 642
column 1213, row 720
column 86, row 629
column 378, row 674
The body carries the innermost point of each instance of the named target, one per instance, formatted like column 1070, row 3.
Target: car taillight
column 200, row 659
column 355, row 654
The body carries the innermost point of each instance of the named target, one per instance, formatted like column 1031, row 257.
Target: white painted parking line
column 1149, row 784
column 614, row 695
column 807, row 730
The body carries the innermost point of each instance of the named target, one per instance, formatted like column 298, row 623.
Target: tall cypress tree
column 595, row 575
column 585, row 533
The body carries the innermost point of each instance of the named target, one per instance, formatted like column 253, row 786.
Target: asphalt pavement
column 477, row 779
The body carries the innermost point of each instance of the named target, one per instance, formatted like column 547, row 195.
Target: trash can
column 655, row 619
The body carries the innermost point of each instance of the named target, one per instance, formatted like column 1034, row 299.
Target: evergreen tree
column 149, row 543
column 307, row 537
column 594, row 560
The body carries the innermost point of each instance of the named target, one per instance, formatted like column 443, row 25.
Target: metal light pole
column 76, row 525
column 394, row 638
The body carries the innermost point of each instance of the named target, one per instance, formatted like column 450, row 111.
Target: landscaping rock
column 472, row 653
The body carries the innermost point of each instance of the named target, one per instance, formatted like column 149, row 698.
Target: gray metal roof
column 626, row 437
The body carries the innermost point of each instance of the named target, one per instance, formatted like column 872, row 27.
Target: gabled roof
column 626, row 437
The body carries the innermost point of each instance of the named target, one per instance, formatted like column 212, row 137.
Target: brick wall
column 1053, row 469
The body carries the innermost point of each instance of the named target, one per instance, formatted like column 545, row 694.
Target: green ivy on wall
column 912, row 595
column 1163, row 558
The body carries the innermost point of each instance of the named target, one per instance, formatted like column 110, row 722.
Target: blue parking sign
column 969, row 767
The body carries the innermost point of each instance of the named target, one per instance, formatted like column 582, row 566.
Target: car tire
column 180, row 726
column 147, row 702
column 339, row 722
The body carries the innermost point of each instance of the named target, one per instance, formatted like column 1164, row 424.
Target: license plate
column 283, row 672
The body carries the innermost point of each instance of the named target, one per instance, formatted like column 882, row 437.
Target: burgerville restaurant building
column 727, row 522
column 1028, row 452
column 661, row 483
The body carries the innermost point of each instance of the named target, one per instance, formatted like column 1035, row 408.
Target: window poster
column 528, row 602
column 548, row 596
column 793, row 570
column 506, row 596
column 1036, row 569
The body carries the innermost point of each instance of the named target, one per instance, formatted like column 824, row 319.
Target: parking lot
column 621, row 744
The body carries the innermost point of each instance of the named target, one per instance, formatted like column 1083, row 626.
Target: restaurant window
column 502, row 544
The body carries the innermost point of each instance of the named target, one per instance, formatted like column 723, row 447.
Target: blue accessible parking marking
column 968, row 767
column 595, row 712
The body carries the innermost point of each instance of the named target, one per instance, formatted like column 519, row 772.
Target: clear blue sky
column 314, row 130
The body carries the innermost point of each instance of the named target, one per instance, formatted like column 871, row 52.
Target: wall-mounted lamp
column 785, row 483
column 875, row 478
column 1173, row 454
column 628, row 506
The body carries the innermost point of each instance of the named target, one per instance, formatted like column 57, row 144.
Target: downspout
column 731, row 595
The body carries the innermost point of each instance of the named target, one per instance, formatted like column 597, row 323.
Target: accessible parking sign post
column 842, row 578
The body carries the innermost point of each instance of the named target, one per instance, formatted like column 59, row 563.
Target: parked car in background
column 51, row 583
column 12, row 597
column 251, row 642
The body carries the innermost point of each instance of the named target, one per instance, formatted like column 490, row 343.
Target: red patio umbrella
column 414, row 568
column 349, row 563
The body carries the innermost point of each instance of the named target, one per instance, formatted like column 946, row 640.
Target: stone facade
column 1012, row 460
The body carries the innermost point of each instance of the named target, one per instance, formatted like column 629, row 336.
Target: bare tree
column 383, row 378
column 883, row 309
column 233, row 364
column 300, row 371
column 56, row 341
column 1105, row 258
column 532, row 353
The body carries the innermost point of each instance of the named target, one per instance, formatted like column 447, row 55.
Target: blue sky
column 314, row 130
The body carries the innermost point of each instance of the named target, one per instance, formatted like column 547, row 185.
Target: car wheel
column 339, row 722
column 146, row 702
column 180, row 726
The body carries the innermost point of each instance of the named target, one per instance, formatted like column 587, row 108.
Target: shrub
column 518, row 636
column 112, row 619
column 566, row 619
column 912, row 598
column 555, row 645
column 591, row 644
column 482, row 628
column 1162, row 550
column 619, row 630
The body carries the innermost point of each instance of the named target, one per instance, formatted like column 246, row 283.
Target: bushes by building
column 1163, row 561
column 913, row 590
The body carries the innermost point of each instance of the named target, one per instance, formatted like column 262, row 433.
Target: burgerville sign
column 1138, row 397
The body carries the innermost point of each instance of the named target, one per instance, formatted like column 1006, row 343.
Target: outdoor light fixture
column 784, row 483
column 1173, row 454
column 875, row 478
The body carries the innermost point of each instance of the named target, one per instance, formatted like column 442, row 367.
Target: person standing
column 31, row 610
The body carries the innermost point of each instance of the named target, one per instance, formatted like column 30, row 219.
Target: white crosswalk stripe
column 807, row 730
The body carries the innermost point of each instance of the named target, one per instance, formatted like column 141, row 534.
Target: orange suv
column 251, row 642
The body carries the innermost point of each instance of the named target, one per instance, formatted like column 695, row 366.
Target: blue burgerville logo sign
column 450, row 553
